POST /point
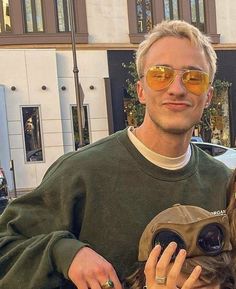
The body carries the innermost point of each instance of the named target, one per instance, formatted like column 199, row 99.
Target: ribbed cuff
column 64, row 251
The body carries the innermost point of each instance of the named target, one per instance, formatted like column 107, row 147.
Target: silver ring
column 161, row 280
column 108, row 284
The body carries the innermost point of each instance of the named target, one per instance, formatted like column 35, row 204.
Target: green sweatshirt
column 102, row 195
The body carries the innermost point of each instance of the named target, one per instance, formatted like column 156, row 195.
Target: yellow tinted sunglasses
column 160, row 77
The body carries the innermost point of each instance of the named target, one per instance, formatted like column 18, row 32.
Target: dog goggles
column 210, row 239
column 160, row 77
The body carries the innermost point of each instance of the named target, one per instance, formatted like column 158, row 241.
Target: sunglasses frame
column 184, row 82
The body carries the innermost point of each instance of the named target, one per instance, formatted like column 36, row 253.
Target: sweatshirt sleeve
column 38, row 240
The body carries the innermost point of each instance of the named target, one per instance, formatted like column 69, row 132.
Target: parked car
column 4, row 197
column 224, row 154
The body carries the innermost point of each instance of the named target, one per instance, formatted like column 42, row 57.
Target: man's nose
column 177, row 86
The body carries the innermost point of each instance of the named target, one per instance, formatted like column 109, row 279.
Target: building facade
column 38, row 112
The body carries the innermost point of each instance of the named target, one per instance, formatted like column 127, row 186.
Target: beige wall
column 93, row 68
column 107, row 21
column 226, row 20
column 28, row 70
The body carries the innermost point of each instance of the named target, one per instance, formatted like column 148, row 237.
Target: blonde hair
column 178, row 29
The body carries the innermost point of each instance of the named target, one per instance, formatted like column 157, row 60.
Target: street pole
column 79, row 102
column 13, row 177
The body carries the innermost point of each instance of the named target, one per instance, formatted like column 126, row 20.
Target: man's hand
column 90, row 270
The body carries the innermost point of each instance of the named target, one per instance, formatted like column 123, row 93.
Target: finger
column 94, row 284
column 150, row 267
column 111, row 275
column 114, row 278
column 164, row 261
column 80, row 284
column 176, row 268
column 107, row 283
column 188, row 284
column 98, row 277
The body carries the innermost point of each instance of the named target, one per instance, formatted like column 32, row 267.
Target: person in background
column 80, row 227
column 185, row 247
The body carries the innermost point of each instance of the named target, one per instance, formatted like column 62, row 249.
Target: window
column 145, row 14
column 171, row 9
column 63, row 15
column 32, row 134
column 42, row 22
column 85, row 126
column 33, row 16
column 5, row 20
column 198, row 14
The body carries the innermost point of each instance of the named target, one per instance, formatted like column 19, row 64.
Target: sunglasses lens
column 163, row 238
column 159, row 77
column 211, row 239
column 195, row 81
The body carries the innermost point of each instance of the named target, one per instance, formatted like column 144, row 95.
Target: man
column 81, row 226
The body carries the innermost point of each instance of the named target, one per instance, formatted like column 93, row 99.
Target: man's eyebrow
column 193, row 68
column 190, row 67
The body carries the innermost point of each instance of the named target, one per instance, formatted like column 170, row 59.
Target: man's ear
column 209, row 97
column 140, row 92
